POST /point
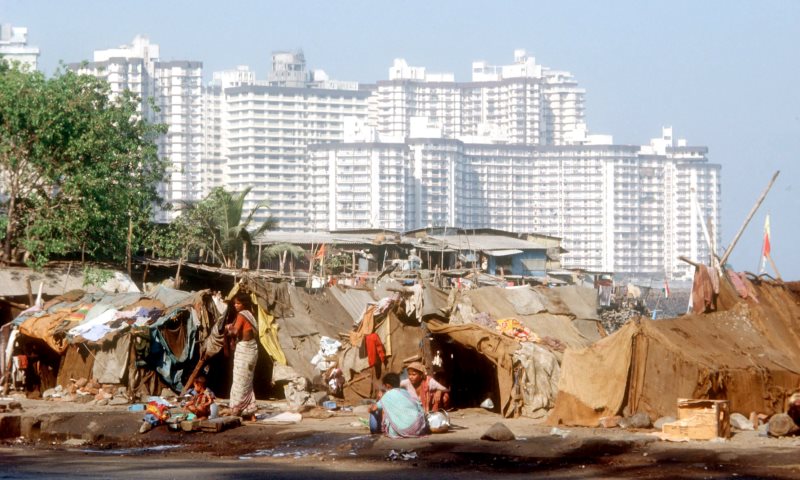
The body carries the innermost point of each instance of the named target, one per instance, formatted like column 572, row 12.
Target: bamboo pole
column 777, row 273
column 747, row 220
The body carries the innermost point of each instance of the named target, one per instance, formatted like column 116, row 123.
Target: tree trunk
column 10, row 226
column 128, row 248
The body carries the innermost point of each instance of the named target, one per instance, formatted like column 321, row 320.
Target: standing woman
column 243, row 330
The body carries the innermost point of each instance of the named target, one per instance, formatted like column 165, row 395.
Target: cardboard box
column 700, row 420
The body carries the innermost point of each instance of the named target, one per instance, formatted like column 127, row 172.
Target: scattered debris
column 282, row 418
column 403, row 455
column 740, row 422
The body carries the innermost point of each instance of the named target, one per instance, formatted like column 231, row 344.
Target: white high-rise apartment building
column 14, row 47
column 619, row 208
column 523, row 103
column 266, row 127
column 174, row 88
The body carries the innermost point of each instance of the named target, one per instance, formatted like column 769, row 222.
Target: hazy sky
column 724, row 74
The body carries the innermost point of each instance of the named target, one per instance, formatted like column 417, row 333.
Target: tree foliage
column 216, row 225
column 76, row 166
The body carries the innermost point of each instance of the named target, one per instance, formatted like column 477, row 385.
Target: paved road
column 21, row 463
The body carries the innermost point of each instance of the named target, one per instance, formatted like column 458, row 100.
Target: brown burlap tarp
column 497, row 348
column 747, row 354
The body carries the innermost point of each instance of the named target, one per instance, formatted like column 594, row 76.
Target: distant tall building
column 523, row 103
column 174, row 89
column 619, row 208
column 265, row 128
column 14, row 47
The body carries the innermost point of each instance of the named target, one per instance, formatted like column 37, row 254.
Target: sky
column 723, row 74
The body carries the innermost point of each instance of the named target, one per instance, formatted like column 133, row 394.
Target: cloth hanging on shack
column 374, row 349
column 703, row 296
column 366, row 326
column 742, row 285
column 177, row 331
column 268, row 333
column 111, row 360
column 414, row 302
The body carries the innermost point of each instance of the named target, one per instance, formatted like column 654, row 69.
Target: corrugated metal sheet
column 353, row 300
column 481, row 242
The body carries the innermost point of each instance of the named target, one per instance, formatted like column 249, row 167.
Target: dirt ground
column 332, row 444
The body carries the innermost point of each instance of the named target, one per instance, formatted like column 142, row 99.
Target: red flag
column 765, row 251
column 666, row 288
column 320, row 252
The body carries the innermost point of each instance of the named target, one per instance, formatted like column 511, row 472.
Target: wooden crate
column 700, row 420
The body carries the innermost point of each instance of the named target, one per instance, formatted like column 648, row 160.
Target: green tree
column 77, row 168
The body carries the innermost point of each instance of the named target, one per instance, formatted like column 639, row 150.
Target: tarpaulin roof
column 747, row 354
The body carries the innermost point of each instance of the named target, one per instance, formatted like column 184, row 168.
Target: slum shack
column 139, row 342
column 739, row 344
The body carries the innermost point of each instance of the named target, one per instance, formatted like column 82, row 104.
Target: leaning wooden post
column 30, row 291
column 747, row 220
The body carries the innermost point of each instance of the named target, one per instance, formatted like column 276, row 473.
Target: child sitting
column 202, row 398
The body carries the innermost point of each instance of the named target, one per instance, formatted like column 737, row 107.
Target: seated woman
column 202, row 398
column 396, row 414
column 433, row 395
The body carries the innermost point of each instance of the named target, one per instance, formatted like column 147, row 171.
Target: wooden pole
column 777, row 273
column 30, row 291
column 66, row 278
column 258, row 264
column 178, row 274
column 747, row 220
column 196, row 370
column 144, row 276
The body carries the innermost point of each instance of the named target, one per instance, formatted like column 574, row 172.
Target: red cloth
column 374, row 349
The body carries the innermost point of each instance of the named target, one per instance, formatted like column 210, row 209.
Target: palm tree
column 221, row 214
column 281, row 250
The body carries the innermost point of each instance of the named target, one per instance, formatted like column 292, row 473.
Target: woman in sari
column 243, row 330
column 396, row 414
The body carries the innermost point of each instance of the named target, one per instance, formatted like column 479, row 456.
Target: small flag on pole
column 766, row 247
column 320, row 252
column 666, row 288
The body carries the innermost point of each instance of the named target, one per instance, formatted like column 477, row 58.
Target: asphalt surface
column 66, row 441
